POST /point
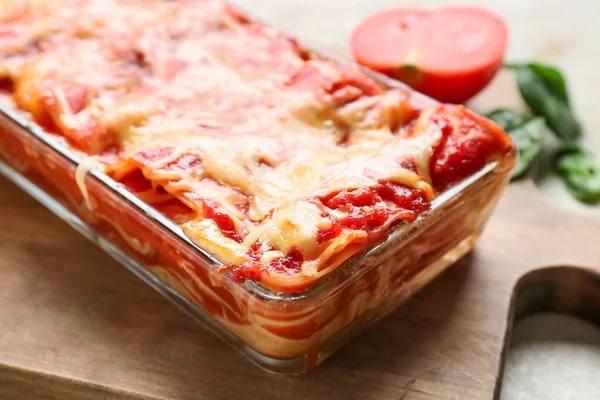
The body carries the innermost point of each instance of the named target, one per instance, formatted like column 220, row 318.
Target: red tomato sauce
column 468, row 143
column 223, row 221
column 370, row 209
column 254, row 270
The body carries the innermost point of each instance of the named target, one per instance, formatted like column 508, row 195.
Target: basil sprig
column 553, row 80
column 580, row 170
column 526, row 132
column 544, row 89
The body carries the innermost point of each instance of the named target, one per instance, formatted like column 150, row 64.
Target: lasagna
column 281, row 164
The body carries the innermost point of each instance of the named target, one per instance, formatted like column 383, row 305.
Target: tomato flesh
column 382, row 40
column 450, row 54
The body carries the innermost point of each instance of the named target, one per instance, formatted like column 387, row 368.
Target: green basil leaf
column 551, row 76
column 580, row 171
column 545, row 103
column 528, row 139
column 553, row 79
column 526, row 133
column 508, row 119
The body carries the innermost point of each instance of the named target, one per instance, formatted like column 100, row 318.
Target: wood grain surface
column 76, row 325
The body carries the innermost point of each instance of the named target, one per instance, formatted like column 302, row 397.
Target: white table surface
column 552, row 357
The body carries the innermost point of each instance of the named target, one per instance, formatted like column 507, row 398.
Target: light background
column 552, row 357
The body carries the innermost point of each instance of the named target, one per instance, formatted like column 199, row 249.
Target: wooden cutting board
column 76, row 325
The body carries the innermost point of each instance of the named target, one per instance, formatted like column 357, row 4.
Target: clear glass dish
column 281, row 332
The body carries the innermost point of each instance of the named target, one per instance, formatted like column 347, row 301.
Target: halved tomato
column 450, row 53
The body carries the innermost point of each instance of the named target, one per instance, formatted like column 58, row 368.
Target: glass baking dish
column 281, row 332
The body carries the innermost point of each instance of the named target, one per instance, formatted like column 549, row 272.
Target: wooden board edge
column 19, row 383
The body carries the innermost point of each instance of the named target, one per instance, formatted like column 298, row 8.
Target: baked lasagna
column 281, row 164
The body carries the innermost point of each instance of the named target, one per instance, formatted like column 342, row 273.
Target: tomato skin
column 455, row 88
column 449, row 54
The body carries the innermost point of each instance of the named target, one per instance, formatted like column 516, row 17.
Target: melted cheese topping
column 231, row 118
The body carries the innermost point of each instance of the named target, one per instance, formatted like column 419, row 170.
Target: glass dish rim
column 393, row 236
